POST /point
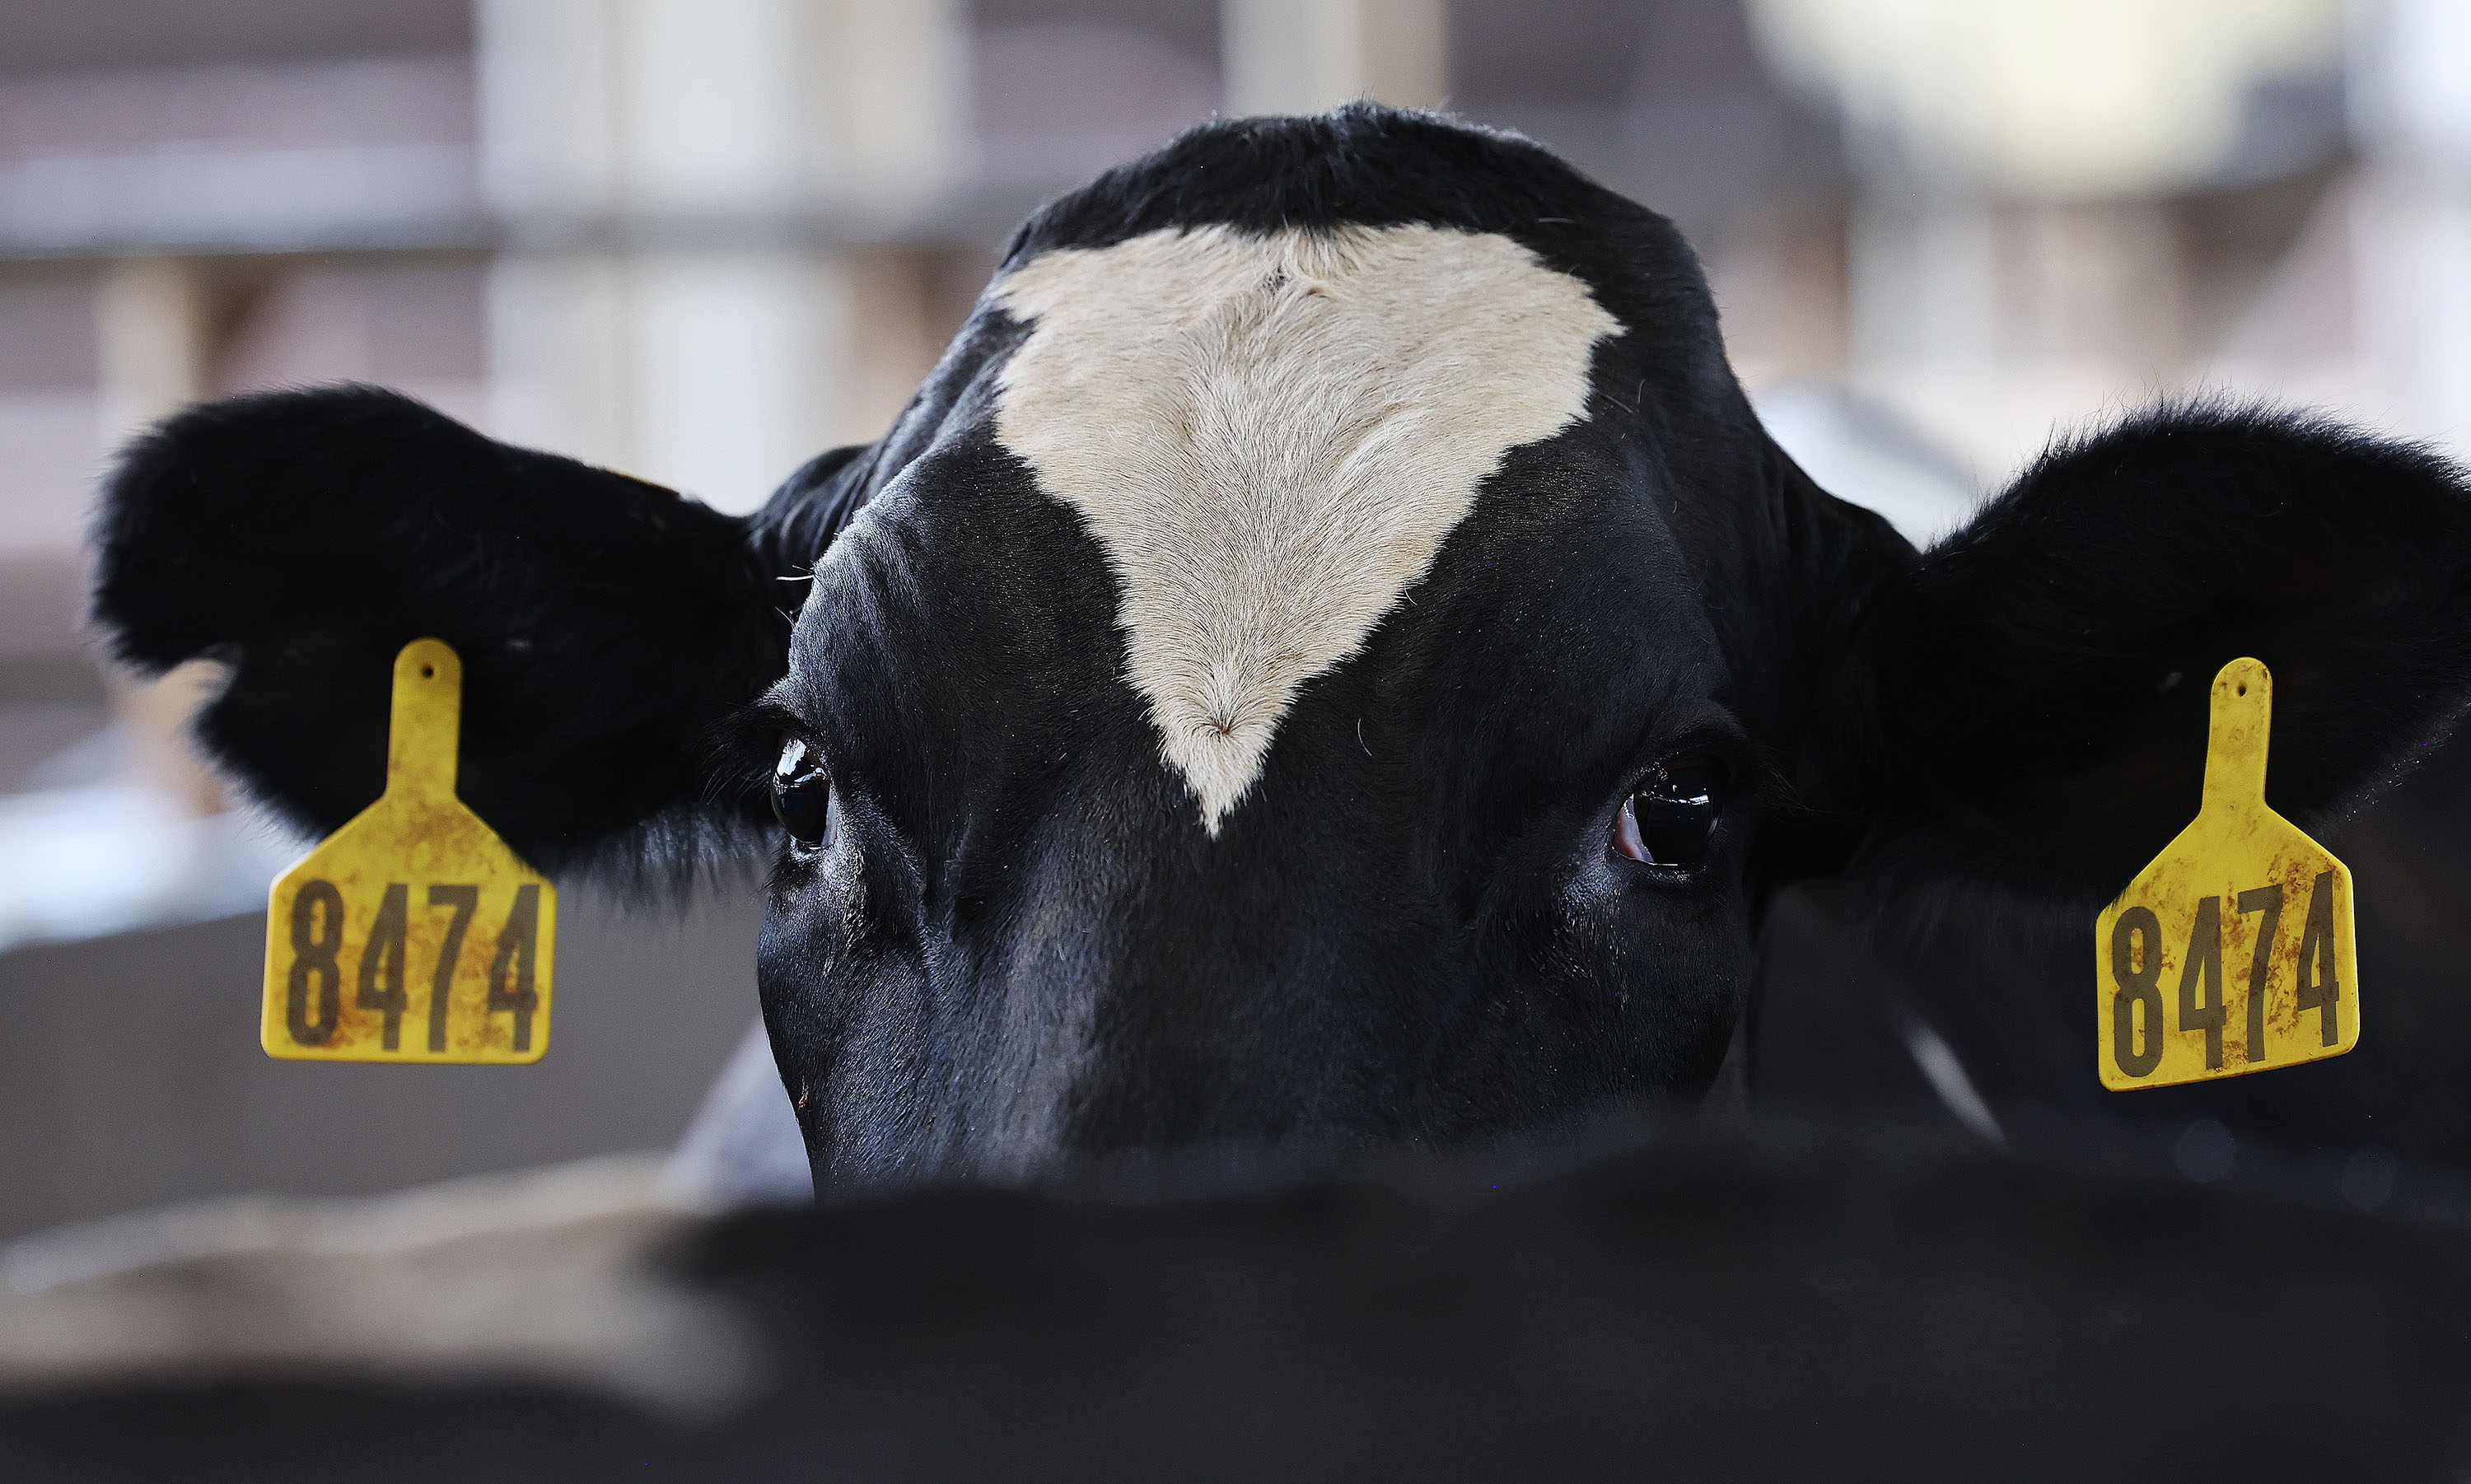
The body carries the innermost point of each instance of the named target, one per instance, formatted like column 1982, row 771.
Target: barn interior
column 700, row 240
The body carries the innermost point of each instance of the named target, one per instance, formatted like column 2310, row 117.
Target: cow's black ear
column 2027, row 703
column 605, row 625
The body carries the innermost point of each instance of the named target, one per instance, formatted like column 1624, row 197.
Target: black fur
column 1023, row 953
column 1814, row 1307
column 2029, row 702
column 304, row 537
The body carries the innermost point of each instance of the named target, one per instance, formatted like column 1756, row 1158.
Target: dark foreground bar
column 1782, row 1305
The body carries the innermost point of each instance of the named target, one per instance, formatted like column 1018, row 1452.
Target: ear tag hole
column 412, row 934
column 2233, row 951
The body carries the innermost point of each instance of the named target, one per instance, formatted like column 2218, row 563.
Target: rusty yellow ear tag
column 412, row 935
column 2232, row 951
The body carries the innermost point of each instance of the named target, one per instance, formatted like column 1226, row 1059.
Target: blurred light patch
column 1859, row 451
column 548, row 1276
column 2051, row 98
column 90, row 858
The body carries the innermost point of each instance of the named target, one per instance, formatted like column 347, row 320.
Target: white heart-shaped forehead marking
column 1272, row 436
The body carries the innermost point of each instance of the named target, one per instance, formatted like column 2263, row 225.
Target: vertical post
column 151, row 324
column 1308, row 56
column 153, row 327
column 890, row 111
column 2410, row 230
column 659, row 162
column 1922, row 276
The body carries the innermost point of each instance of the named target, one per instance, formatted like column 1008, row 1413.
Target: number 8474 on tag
column 2232, row 951
column 403, row 970
column 2231, row 984
column 412, row 934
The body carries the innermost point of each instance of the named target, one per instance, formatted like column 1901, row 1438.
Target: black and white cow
column 1328, row 660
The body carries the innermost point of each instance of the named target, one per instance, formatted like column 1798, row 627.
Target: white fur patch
column 1272, row 436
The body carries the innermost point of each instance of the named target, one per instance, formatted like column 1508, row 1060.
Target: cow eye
column 1672, row 821
column 802, row 794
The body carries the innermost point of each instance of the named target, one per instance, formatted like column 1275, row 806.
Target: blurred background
column 701, row 240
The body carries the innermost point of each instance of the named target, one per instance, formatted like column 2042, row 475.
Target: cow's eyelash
column 1758, row 777
column 768, row 717
column 1750, row 774
column 748, row 745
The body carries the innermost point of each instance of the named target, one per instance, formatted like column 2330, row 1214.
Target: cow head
column 1329, row 658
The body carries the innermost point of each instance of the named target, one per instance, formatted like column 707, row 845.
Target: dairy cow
column 1330, row 660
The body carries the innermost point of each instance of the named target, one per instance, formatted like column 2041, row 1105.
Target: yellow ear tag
column 2232, row 951
column 412, row 935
